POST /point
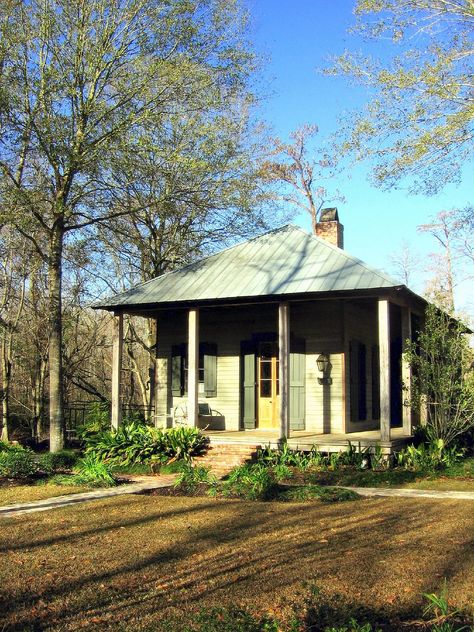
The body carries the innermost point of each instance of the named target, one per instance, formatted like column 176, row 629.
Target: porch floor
column 304, row 439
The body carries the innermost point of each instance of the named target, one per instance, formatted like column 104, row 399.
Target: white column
column 384, row 347
column 284, row 367
column 406, row 371
column 117, row 351
column 193, row 366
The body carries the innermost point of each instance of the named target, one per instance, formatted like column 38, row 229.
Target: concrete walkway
column 412, row 493
column 143, row 483
column 138, row 484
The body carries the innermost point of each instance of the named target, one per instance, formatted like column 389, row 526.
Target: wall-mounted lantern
column 324, row 366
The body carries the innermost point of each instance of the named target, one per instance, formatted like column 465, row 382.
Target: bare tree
column 302, row 170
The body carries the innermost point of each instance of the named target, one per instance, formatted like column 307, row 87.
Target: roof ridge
column 346, row 254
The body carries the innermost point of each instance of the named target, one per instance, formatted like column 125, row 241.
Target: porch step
column 221, row 458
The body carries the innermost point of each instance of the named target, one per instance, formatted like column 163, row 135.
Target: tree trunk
column 38, row 397
column 6, row 373
column 56, row 417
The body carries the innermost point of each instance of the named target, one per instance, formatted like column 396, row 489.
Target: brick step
column 222, row 458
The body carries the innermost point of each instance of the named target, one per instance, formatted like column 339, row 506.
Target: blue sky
column 297, row 38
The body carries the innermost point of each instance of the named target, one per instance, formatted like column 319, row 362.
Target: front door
column 268, row 385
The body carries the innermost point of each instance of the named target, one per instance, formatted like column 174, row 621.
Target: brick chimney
column 329, row 228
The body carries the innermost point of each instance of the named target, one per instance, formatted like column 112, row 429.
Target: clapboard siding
column 318, row 323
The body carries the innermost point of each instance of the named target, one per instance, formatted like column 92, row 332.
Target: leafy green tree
column 420, row 121
column 82, row 84
column 443, row 378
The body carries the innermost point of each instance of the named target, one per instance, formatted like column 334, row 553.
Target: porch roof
column 284, row 261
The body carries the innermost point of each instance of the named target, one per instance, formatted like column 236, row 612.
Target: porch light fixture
column 324, row 365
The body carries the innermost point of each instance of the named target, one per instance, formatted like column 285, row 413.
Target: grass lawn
column 459, row 477
column 12, row 494
column 132, row 562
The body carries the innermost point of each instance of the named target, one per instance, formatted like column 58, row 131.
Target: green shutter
column 248, row 385
column 375, row 383
column 297, row 384
column 210, row 369
column 354, row 379
column 362, row 382
column 177, row 370
column 358, row 380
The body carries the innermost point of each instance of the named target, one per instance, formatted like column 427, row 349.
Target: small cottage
column 284, row 335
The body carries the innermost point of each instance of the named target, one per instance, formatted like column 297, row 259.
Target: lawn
column 22, row 493
column 133, row 562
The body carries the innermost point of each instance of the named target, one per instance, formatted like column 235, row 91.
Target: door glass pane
column 265, row 370
column 266, row 388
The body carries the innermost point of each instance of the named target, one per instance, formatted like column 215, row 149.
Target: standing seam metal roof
column 283, row 261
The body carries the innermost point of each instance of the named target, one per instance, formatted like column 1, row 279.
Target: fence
column 75, row 414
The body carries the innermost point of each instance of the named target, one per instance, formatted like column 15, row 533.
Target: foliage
column 97, row 96
column 92, row 472
column 17, row 462
column 353, row 456
column 442, row 379
column 134, row 442
column 431, row 456
column 191, row 477
column 51, row 462
column 443, row 616
column 354, row 626
column 97, row 420
column 231, row 619
column 420, row 120
column 252, row 481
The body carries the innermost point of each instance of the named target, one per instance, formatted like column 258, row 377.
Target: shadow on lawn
column 256, row 554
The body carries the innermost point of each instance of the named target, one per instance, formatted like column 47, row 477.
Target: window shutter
column 177, row 370
column 354, row 379
column 362, row 382
column 375, row 383
column 210, row 369
column 358, row 380
column 248, row 384
column 297, row 384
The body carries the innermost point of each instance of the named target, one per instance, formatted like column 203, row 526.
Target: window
column 207, row 371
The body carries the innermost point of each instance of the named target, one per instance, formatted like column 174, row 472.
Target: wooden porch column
column 384, row 347
column 284, row 367
column 117, row 351
column 406, row 370
column 193, row 366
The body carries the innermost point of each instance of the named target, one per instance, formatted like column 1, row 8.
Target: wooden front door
column 268, row 385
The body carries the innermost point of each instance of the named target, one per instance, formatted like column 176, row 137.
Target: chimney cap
column 329, row 215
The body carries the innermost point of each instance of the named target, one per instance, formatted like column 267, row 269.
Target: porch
column 305, row 440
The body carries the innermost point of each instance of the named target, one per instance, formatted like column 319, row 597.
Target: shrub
column 284, row 455
column 190, row 478
column 281, row 472
column 16, row 462
column 52, row 462
column 442, row 381
column 97, row 420
column 250, row 481
column 89, row 471
column 134, row 442
column 431, row 456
